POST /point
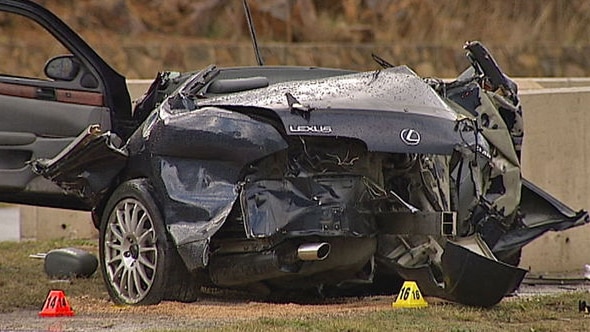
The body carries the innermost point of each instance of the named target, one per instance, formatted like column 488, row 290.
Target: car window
column 25, row 47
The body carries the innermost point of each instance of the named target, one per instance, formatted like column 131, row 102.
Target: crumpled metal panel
column 87, row 166
column 199, row 157
column 393, row 90
column 306, row 206
column 468, row 278
column 542, row 213
column 202, row 195
column 476, row 280
column 348, row 106
column 212, row 133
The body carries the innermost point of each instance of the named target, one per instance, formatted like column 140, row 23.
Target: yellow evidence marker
column 409, row 297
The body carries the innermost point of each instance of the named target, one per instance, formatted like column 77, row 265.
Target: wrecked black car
column 273, row 179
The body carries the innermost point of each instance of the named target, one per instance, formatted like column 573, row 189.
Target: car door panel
column 11, row 138
column 26, row 133
column 49, row 118
column 15, row 156
column 45, row 105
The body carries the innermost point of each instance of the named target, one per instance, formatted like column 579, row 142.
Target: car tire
column 182, row 285
column 134, row 250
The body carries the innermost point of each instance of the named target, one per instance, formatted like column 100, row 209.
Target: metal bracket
column 434, row 223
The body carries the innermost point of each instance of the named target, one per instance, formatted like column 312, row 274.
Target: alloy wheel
column 130, row 250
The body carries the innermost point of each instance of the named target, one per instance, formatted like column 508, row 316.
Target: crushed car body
column 275, row 179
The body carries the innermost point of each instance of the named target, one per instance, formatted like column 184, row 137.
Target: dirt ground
column 215, row 310
column 210, row 311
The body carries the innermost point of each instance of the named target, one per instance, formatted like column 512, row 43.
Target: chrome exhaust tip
column 313, row 251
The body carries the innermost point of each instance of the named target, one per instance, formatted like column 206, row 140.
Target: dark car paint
column 358, row 99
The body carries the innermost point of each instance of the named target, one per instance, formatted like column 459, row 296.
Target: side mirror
column 62, row 68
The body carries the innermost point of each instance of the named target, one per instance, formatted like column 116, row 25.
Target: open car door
column 45, row 105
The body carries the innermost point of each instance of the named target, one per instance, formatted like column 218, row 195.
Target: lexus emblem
column 410, row 136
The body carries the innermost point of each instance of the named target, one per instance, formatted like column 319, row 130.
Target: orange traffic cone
column 56, row 305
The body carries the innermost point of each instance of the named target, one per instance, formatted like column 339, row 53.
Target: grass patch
column 542, row 313
column 23, row 282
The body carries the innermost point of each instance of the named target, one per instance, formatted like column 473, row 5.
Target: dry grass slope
column 141, row 37
column 431, row 22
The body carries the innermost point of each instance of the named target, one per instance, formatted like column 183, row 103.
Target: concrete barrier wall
column 556, row 157
column 42, row 223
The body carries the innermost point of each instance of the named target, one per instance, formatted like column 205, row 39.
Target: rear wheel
column 133, row 246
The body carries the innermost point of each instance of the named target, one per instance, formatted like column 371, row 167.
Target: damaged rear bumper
column 468, row 277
